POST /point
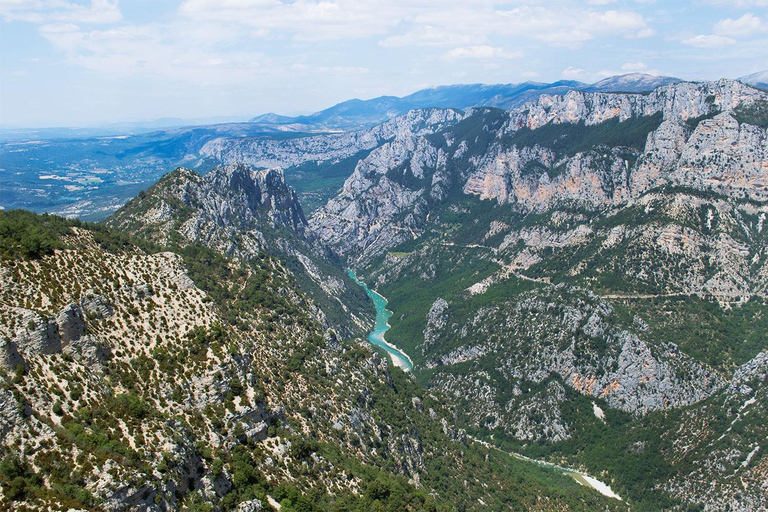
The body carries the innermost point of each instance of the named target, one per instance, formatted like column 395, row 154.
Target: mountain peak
column 759, row 79
column 211, row 209
column 631, row 82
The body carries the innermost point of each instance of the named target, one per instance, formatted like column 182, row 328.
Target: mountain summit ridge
column 511, row 165
column 356, row 113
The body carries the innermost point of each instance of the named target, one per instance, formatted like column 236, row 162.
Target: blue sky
column 90, row 62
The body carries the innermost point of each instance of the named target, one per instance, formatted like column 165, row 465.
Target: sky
column 94, row 62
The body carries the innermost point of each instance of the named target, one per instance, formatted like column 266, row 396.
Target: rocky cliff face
column 575, row 336
column 588, row 150
column 166, row 381
column 242, row 212
column 584, row 262
column 217, row 210
column 286, row 153
column 718, row 154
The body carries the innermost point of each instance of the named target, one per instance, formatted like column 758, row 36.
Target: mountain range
column 580, row 280
column 357, row 114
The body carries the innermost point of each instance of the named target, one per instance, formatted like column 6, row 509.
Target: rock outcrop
column 260, row 152
column 242, row 212
column 550, row 153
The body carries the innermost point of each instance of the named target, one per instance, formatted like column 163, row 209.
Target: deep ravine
column 376, row 337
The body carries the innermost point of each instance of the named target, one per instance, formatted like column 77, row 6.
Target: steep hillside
column 144, row 380
column 583, row 267
column 587, row 150
column 244, row 213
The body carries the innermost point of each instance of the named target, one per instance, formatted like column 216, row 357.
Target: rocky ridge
column 286, row 153
column 143, row 384
column 586, row 252
column 241, row 212
column 536, row 157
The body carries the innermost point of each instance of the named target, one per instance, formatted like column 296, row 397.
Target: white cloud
column 236, row 38
column 738, row 4
column 48, row 11
column 572, row 73
column 745, row 26
column 307, row 20
column 163, row 50
column 634, row 67
column 336, row 70
column 430, row 36
column 645, row 33
column 708, row 41
column 619, row 22
column 558, row 26
column 421, row 22
column 482, row 52
column 568, row 38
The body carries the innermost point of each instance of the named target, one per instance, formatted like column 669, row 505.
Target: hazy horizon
column 99, row 62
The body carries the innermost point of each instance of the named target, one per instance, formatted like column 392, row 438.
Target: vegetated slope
column 146, row 379
column 241, row 212
column 590, row 150
column 615, row 282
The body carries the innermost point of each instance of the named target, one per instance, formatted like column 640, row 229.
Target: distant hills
column 356, row 114
column 633, row 82
column 759, row 79
column 114, row 129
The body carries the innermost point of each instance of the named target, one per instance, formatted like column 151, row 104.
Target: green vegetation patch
column 753, row 113
column 568, row 139
column 25, row 234
column 703, row 329
column 317, row 182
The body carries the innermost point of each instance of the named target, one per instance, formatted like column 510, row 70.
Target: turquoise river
column 376, row 337
column 401, row 359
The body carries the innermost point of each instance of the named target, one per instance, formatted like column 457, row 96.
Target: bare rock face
column 363, row 212
column 36, row 335
column 662, row 151
column 726, row 157
column 71, row 324
column 271, row 153
column 538, row 417
column 387, row 199
column 249, row 506
column 10, row 417
column 684, row 100
column 588, row 180
column 568, row 334
column 436, row 319
column 754, row 370
column 95, row 306
column 384, row 201
column 718, row 154
column 228, row 209
column 9, row 354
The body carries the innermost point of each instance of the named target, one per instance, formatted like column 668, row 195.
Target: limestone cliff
column 588, row 150
column 242, row 212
